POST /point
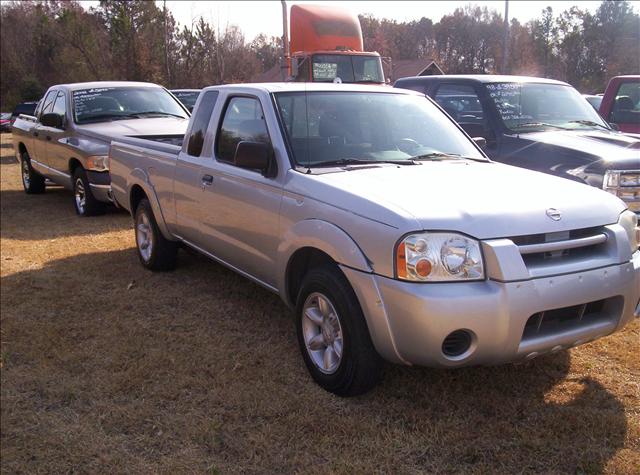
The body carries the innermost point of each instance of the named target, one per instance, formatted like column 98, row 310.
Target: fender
column 324, row 236
column 336, row 243
column 139, row 177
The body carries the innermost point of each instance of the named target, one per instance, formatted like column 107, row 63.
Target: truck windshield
column 114, row 103
column 188, row 98
column 349, row 68
column 325, row 128
column 532, row 107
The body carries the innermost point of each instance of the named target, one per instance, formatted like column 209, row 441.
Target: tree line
column 50, row 42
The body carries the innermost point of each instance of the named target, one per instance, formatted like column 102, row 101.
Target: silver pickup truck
column 384, row 227
column 67, row 139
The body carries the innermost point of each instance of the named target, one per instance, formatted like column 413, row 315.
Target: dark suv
column 539, row 124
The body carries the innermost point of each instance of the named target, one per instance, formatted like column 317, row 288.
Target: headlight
column 98, row 163
column 611, row 179
column 629, row 221
column 438, row 257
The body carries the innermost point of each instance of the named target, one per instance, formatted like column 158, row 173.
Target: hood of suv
column 484, row 200
column 133, row 127
column 610, row 146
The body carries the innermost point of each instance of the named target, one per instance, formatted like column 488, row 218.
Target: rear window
column 626, row 107
column 27, row 109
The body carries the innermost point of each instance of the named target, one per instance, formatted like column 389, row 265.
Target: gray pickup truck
column 67, row 139
column 385, row 228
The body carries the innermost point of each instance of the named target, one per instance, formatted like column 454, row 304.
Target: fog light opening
column 457, row 343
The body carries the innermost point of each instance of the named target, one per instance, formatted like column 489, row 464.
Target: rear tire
column 333, row 334
column 155, row 252
column 32, row 181
column 84, row 202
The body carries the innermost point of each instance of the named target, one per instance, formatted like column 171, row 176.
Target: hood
column 136, row 127
column 607, row 145
column 484, row 200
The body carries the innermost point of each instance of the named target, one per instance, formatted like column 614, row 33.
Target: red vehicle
column 327, row 46
column 621, row 103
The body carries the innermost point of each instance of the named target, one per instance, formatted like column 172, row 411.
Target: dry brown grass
column 109, row 368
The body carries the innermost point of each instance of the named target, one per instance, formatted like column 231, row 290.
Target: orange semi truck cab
column 327, row 46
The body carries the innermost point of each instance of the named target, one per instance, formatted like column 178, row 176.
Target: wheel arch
column 139, row 188
column 315, row 242
column 74, row 163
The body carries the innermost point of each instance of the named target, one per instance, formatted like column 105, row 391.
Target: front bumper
column 100, row 183
column 408, row 322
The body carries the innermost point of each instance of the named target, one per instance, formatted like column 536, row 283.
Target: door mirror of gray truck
column 614, row 126
column 255, row 156
column 52, row 120
column 480, row 141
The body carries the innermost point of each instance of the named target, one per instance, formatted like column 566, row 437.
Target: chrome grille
column 579, row 242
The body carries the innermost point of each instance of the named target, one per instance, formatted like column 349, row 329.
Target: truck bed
column 138, row 155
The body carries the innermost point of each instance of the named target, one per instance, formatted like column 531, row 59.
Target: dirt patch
column 109, row 368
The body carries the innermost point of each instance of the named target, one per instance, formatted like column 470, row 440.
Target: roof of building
column 414, row 67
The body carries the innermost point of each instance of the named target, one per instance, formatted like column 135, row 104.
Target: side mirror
column 255, row 156
column 614, row 126
column 480, row 141
column 294, row 67
column 52, row 120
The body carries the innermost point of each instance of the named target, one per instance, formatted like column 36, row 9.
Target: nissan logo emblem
column 554, row 214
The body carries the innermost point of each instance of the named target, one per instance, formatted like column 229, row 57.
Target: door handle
column 207, row 180
column 48, row 137
column 35, row 134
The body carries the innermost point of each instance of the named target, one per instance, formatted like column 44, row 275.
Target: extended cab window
column 243, row 121
column 200, row 123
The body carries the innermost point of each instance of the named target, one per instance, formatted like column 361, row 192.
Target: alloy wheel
column 322, row 333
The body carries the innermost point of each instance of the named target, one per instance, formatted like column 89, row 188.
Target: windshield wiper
column 103, row 118
column 588, row 122
column 139, row 114
column 360, row 161
column 433, row 156
column 534, row 124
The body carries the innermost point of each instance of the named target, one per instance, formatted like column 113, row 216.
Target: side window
column 461, row 103
column 60, row 106
column 626, row 106
column 36, row 113
column 200, row 123
column 48, row 102
column 303, row 68
column 243, row 121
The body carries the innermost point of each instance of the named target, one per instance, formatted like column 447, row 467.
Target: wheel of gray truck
column 154, row 250
column 32, row 181
column 83, row 200
column 333, row 334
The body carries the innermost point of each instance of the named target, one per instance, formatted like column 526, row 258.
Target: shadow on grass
column 203, row 361
column 8, row 159
column 52, row 215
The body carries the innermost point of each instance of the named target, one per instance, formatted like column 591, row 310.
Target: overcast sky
column 255, row 17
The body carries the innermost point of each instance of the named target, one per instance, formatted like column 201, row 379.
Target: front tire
column 83, row 200
column 154, row 251
column 32, row 181
column 333, row 334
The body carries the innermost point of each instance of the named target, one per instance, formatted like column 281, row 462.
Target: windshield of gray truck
column 188, row 98
column 351, row 127
column 533, row 107
column 349, row 68
column 117, row 103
